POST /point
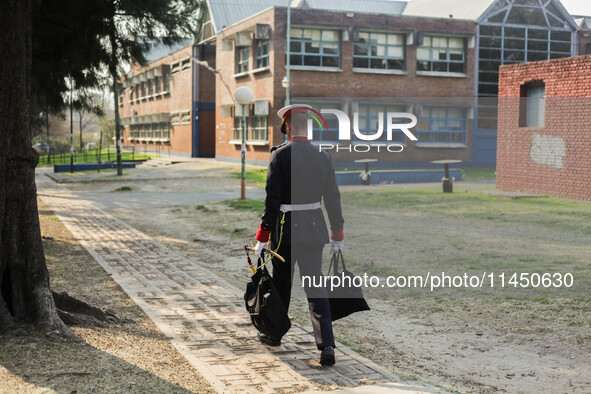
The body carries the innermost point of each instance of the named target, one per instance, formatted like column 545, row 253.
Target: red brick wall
column 179, row 99
column 345, row 84
column 521, row 166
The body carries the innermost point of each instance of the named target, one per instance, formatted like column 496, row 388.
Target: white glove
column 335, row 246
column 258, row 248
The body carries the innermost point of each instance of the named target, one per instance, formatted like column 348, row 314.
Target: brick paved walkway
column 203, row 314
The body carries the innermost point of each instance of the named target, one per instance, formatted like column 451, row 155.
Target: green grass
column 257, row 176
column 542, row 211
column 485, row 234
column 123, row 189
column 91, row 157
column 485, row 174
column 256, row 205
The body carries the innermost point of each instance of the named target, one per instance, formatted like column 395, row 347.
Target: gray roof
column 387, row 7
column 160, row 50
column 460, row 9
column 584, row 22
column 228, row 12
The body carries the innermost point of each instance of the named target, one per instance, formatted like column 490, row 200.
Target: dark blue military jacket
column 299, row 173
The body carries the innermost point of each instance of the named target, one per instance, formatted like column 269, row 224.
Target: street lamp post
column 244, row 96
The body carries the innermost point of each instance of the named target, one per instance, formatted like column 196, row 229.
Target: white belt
column 299, row 207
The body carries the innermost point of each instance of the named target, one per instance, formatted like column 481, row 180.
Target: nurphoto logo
column 393, row 123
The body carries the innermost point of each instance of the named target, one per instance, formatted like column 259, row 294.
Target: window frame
column 531, row 104
column 157, row 84
column 242, row 61
column 166, row 82
column 257, row 129
column 447, row 131
column 237, row 130
column 262, row 58
column 368, row 45
column 301, row 40
column 448, row 61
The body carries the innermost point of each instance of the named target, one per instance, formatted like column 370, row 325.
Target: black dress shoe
column 327, row 356
column 268, row 340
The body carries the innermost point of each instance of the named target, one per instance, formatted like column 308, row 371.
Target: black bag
column 344, row 300
column 263, row 303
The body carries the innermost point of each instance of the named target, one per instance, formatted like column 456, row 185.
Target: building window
column 442, row 125
column 186, row 64
column 242, row 54
column 150, row 87
column 157, row 84
column 238, row 128
column 186, row 117
column 166, row 80
column 175, row 68
column 533, row 105
column 165, row 131
column 314, row 48
column 131, row 90
column 143, row 89
column 441, row 54
column 262, row 53
column 260, row 127
column 379, row 50
column 369, row 120
column 174, row 118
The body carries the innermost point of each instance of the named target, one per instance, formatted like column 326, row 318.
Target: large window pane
column 381, row 48
column 441, row 54
column 515, row 32
column 442, row 125
column 321, row 48
column 491, row 31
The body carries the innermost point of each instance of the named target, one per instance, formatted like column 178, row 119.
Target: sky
column 577, row 7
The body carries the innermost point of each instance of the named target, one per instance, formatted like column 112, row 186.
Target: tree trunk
column 115, row 77
column 25, row 296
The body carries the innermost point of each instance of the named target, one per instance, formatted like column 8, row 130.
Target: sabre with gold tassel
column 268, row 255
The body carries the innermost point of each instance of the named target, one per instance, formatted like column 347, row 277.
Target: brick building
column 334, row 77
column 544, row 143
column 169, row 104
column 436, row 59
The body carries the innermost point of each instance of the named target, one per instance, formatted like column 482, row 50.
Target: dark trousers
column 309, row 260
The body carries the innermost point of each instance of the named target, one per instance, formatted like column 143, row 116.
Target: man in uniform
column 298, row 178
